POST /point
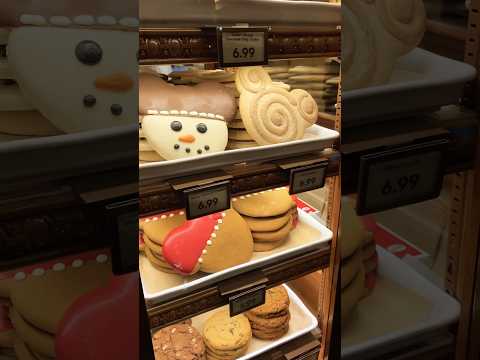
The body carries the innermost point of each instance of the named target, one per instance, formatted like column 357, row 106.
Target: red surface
column 304, row 206
column 103, row 324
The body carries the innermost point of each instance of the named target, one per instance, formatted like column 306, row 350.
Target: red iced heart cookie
column 184, row 246
column 103, row 324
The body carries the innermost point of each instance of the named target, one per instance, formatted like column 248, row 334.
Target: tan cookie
column 267, row 335
column 226, row 355
column 158, row 227
column 369, row 250
column 236, row 125
column 352, row 294
column 235, row 144
column 178, row 342
column 268, row 223
column 274, row 236
column 55, row 291
column 252, row 79
column 240, row 135
column 225, row 253
column 144, row 146
column 225, row 333
column 26, row 123
column 276, row 301
column 259, row 246
column 352, row 232
column 350, row 268
column 160, row 264
column 154, row 247
column 265, row 323
column 37, row 340
column 309, row 78
column 149, row 156
column 273, row 202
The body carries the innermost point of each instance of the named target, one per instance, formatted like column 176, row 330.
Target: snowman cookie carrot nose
column 184, row 121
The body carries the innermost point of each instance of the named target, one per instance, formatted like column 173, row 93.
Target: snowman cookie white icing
column 185, row 121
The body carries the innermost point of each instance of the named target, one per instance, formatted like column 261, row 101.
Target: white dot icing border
column 184, row 113
column 82, row 20
column 101, row 258
column 213, row 236
column 161, row 217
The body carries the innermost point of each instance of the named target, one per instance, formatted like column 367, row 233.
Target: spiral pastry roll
column 272, row 116
column 307, row 106
column 252, row 79
column 405, row 20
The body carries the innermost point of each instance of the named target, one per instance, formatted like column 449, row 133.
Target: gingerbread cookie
column 259, row 246
column 205, row 243
column 273, row 202
column 353, row 237
column 272, row 114
column 274, row 236
column 178, row 342
column 156, row 228
column 225, row 334
column 272, row 223
column 271, row 320
column 352, row 294
column 350, row 267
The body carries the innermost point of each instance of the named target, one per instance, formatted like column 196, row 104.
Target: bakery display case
column 239, row 177
column 409, row 229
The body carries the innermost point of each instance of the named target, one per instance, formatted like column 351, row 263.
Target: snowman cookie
column 185, row 121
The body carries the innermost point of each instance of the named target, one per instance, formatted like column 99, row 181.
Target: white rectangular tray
column 159, row 286
column 253, row 12
column 302, row 322
column 390, row 315
column 421, row 81
column 316, row 138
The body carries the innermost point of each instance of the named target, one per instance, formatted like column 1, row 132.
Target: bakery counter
column 455, row 125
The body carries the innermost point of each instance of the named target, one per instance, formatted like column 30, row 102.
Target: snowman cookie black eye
column 202, row 128
column 88, row 52
column 176, row 125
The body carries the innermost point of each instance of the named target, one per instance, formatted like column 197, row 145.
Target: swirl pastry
column 271, row 114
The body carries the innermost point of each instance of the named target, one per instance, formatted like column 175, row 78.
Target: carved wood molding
column 167, row 46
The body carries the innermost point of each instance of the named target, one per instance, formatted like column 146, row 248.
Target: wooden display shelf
column 205, row 299
column 159, row 196
column 458, row 124
column 180, row 46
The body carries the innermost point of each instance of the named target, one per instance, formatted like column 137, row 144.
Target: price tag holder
column 246, row 46
column 401, row 176
column 207, row 199
column 123, row 230
column 308, row 178
column 247, row 300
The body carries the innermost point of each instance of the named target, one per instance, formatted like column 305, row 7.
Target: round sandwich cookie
column 157, row 227
column 266, row 224
column 206, row 243
column 261, row 246
column 178, row 342
column 37, row 340
column 223, row 333
column 350, row 267
column 273, row 202
column 274, row 236
column 352, row 294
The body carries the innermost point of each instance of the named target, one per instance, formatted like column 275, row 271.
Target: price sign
column 308, row 178
column 209, row 199
column 401, row 176
column 247, row 300
column 242, row 46
column 124, row 234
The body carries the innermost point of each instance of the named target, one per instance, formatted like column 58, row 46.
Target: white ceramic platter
column 159, row 286
column 316, row 138
column 422, row 81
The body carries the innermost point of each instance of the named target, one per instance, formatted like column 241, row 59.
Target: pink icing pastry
column 183, row 246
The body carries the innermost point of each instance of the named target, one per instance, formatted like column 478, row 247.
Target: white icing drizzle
column 106, row 20
column 20, row 276
column 28, row 19
column 58, row 267
column 77, row 263
column 102, row 258
column 84, row 20
column 38, row 272
column 60, row 21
